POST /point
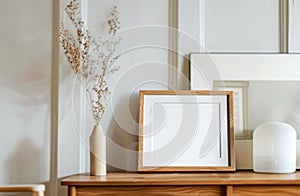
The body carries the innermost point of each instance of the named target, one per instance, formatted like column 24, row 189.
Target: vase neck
column 98, row 125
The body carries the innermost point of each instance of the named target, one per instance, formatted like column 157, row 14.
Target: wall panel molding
column 83, row 156
column 54, row 98
column 284, row 25
column 173, row 44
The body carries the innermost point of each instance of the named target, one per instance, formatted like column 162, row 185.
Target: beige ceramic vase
column 97, row 151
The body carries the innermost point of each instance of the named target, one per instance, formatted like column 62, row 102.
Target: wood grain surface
column 206, row 184
column 266, row 190
column 134, row 179
column 145, row 190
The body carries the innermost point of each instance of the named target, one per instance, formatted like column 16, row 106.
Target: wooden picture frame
column 186, row 131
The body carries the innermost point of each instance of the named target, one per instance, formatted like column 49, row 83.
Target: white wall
column 242, row 25
column 25, row 78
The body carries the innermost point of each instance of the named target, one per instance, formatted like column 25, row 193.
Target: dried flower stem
column 91, row 59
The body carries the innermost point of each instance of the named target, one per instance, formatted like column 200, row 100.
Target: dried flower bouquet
column 91, row 59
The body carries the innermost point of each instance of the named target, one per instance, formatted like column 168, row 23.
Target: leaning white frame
column 236, row 67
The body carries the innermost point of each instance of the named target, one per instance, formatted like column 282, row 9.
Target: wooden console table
column 237, row 183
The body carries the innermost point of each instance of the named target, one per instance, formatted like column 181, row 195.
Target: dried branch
column 91, row 59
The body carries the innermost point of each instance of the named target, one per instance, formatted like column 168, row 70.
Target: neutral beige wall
column 25, row 79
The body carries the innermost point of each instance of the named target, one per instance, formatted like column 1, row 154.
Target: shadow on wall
column 122, row 140
column 28, row 88
column 28, row 98
column 26, row 164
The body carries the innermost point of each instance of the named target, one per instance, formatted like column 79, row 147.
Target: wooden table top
column 154, row 179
